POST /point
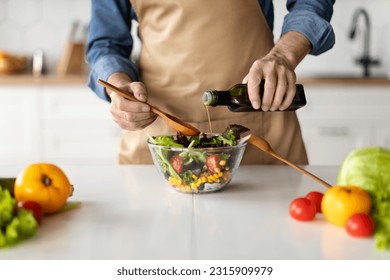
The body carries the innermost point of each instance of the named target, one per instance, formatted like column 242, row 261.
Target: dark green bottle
column 237, row 98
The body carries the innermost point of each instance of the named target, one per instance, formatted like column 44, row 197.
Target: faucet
column 365, row 60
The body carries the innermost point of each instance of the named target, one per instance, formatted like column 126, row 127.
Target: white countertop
column 128, row 212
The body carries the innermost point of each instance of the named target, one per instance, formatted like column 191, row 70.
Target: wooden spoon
column 172, row 121
column 263, row 145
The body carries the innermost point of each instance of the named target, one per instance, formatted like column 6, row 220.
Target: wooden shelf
column 24, row 79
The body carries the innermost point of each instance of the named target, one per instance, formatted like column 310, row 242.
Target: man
column 190, row 46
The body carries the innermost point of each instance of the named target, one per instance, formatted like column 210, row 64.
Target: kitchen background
column 43, row 113
column 27, row 25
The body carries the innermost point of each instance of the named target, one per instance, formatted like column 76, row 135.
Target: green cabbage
column 369, row 168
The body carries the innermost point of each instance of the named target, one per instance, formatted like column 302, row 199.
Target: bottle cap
column 207, row 98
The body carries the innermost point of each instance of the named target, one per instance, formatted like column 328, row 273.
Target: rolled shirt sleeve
column 311, row 19
column 110, row 43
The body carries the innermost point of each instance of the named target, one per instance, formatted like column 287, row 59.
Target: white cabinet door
column 78, row 127
column 339, row 119
column 60, row 124
column 73, row 103
column 382, row 134
column 19, row 125
column 348, row 102
column 81, row 145
column 329, row 143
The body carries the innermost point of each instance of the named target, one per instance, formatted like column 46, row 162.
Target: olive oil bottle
column 237, row 99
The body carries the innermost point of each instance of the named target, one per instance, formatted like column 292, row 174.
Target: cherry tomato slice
column 302, row 209
column 212, row 163
column 177, row 163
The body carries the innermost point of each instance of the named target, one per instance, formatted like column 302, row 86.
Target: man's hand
column 277, row 69
column 127, row 114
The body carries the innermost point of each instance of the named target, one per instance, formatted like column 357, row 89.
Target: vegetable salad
column 199, row 163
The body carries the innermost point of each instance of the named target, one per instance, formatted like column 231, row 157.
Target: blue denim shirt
column 110, row 43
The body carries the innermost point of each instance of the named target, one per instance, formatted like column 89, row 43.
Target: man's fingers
column 254, row 91
column 139, row 91
column 280, row 94
column 119, row 103
column 269, row 92
column 290, row 91
column 132, row 126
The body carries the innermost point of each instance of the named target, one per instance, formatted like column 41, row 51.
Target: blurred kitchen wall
column 27, row 25
column 340, row 59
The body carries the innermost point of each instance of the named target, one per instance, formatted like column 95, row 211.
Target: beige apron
column 189, row 46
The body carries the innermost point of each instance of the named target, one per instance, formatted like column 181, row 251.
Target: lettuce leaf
column 228, row 138
column 166, row 140
column 21, row 227
column 15, row 226
column 7, row 206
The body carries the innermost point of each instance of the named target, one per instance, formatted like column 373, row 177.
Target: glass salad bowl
column 196, row 164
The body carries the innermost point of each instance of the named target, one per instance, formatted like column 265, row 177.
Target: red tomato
column 360, row 225
column 35, row 208
column 302, row 209
column 177, row 163
column 316, row 197
column 212, row 164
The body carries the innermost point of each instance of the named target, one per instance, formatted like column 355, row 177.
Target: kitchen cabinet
column 77, row 126
column 339, row 118
column 382, row 133
column 19, row 124
column 55, row 122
